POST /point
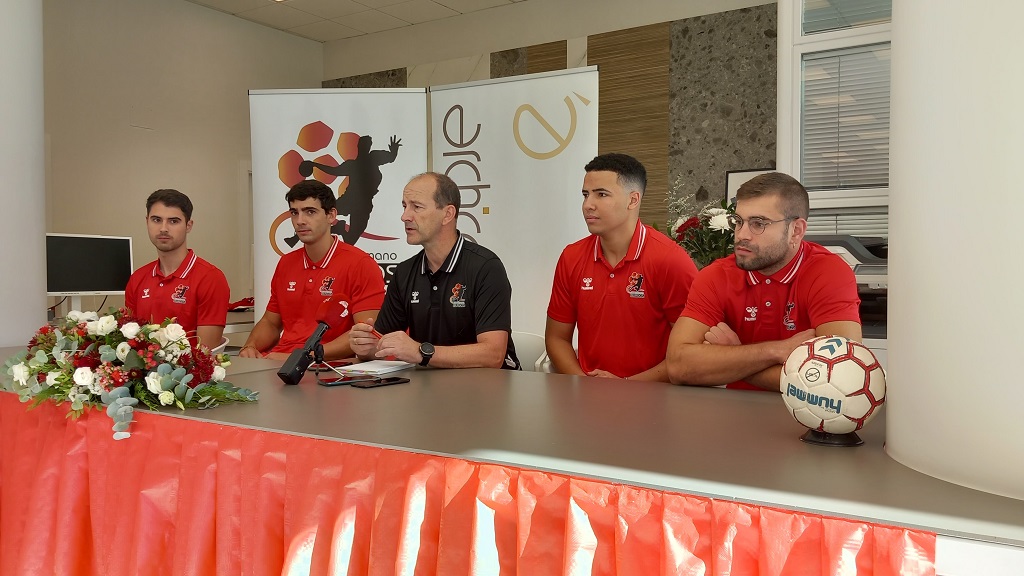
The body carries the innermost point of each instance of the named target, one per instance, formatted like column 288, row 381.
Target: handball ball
column 833, row 384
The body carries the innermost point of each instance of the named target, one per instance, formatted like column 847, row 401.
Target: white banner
column 517, row 147
column 364, row 144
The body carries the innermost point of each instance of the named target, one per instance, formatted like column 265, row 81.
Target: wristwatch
column 427, row 351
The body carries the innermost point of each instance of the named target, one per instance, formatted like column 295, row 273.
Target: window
column 844, row 132
column 827, row 15
column 834, row 74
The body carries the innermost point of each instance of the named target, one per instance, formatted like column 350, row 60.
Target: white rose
column 92, row 327
column 106, row 325
column 122, row 351
column 153, row 383
column 20, row 373
column 166, row 397
column 219, row 373
column 175, row 333
column 84, row 376
column 720, row 222
column 75, row 316
column 88, row 316
column 51, row 378
column 130, row 330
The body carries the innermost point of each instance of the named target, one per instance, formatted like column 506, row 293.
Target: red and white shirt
column 815, row 288
column 624, row 313
column 300, row 285
column 196, row 294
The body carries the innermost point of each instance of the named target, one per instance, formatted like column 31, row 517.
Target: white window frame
column 792, row 46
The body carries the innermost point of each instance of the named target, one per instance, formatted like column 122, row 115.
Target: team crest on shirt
column 145, row 292
column 635, row 286
column 587, row 284
column 325, row 286
column 458, row 298
column 787, row 319
column 751, row 314
column 178, row 296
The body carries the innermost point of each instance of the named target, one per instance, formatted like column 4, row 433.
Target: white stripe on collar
column 307, row 263
column 188, row 268
column 453, row 255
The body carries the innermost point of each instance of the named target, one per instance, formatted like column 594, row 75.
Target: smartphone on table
column 378, row 382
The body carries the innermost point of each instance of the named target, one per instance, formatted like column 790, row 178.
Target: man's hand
column 399, row 346
column 722, row 335
column 363, row 340
column 396, row 142
column 602, row 374
column 785, row 347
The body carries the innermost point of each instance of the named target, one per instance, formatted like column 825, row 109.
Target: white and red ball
column 833, row 384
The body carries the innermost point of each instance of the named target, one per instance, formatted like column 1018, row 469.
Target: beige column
column 22, row 188
column 956, row 245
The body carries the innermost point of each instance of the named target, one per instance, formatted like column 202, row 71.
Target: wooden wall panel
column 634, row 111
column 546, row 57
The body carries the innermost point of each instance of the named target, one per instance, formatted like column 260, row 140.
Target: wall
column 722, row 89
column 148, row 94
column 506, row 27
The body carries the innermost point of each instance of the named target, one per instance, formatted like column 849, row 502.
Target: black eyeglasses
column 757, row 225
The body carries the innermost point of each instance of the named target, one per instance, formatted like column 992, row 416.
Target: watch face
column 426, row 348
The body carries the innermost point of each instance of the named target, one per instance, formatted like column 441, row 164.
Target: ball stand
column 826, row 439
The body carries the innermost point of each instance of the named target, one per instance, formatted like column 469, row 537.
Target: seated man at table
column 325, row 267
column 178, row 284
column 625, row 279
column 454, row 297
column 747, row 312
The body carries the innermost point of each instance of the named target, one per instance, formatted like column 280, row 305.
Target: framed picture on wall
column 736, row 178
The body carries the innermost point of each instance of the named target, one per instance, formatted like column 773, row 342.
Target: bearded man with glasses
column 747, row 312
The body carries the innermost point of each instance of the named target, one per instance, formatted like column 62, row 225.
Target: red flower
column 690, row 223
column 86, row 361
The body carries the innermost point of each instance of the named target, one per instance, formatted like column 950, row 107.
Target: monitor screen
column 79, row 264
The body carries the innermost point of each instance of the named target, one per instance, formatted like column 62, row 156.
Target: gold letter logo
column 562, row 142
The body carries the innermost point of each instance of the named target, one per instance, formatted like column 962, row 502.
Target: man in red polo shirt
column 324, row 268
column 623, row 286
column 178, row 284
column 746, row 313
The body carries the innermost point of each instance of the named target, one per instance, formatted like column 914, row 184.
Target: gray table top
column 725, row 444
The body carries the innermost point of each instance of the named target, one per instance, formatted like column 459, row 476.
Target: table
column 729, row 444
column 465, row 471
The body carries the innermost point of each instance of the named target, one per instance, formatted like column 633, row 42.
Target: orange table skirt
column 184, row 497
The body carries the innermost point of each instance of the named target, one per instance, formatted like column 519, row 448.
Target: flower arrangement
column 116, row 362
column 707, row 236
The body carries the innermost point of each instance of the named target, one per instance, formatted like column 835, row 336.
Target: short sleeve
column 493, row 298
column 680, row 272
column 214, row 294
column 703, row 302
column 832, row 292
column 392, row 316
column 273, row 305
column 562, row 307
column 366, row 286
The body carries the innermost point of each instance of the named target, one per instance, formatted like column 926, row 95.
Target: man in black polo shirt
column 454, row 297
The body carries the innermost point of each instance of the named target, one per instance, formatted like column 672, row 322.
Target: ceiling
column 326, row 20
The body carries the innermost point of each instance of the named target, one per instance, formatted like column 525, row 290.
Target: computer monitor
column 84, row 265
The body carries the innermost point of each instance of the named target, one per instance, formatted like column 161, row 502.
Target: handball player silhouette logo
column 364, row 177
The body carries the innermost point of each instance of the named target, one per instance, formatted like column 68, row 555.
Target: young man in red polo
column 178, row 284
column 746, row 313
column 325, row 267
column 623, row 286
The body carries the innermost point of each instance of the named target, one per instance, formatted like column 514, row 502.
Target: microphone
column 331, row 312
